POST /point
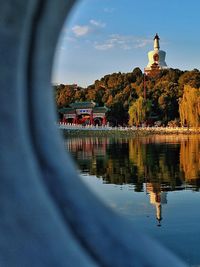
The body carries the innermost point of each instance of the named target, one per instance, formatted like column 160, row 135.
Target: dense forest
column 172, row 97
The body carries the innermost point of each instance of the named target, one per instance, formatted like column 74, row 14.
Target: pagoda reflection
column 157, row 198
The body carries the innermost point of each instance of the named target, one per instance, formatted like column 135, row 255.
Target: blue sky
column 106, row 36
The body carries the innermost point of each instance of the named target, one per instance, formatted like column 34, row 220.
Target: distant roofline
column 86, row 104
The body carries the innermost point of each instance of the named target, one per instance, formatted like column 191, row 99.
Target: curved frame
column 48, row 216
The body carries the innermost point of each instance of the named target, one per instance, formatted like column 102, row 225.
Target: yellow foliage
column 137, row 112
column 189, row 107
column 189, row 158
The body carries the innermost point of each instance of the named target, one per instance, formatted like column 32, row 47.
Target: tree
column 138, row 111
column 191, row 78
column 189, row 107
column 117, row 114
column 119, row 91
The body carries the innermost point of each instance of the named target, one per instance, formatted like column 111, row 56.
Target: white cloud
column 124, row 42
column 69, row 39
column 140, row 43
column 79, row 30
column 103, row 46
column 92, row 26
column 97, row 24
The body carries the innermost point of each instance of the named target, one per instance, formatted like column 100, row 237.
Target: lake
column 153, row 181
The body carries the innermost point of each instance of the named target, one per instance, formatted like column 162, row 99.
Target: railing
column 71, row 126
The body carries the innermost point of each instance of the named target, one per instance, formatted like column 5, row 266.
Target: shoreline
column 72, row 130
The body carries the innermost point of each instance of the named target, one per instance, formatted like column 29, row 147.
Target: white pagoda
column 156, row 58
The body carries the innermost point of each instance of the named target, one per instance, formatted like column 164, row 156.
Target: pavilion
column 85, row 113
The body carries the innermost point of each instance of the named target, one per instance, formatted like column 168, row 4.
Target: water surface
column 153, row 181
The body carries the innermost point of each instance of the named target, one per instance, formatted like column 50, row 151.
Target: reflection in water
column 158, row 163
column 173, row 162
column 152, row 171
column 157, row 198
column 190, row 160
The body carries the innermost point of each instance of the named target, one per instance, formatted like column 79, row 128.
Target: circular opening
column 107, row 57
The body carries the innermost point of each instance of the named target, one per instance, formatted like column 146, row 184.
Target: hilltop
column 166, row 100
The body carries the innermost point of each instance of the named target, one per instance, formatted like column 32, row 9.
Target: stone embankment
column 89, row 130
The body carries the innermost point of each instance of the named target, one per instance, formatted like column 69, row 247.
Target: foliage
column 138, row 111
column 190, row 107
column 119, row 92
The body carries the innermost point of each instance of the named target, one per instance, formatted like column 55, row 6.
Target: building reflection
column 157, row 198
column 87, row 147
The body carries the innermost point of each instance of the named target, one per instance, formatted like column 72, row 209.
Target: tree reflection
column 190, row 160
column 166, row 162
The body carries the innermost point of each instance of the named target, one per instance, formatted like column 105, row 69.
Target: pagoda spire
column 156, row 42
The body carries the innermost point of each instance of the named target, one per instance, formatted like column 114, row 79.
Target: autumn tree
column 189, row 107
column 119, row 91
column 191, row 78
column 138, row 111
